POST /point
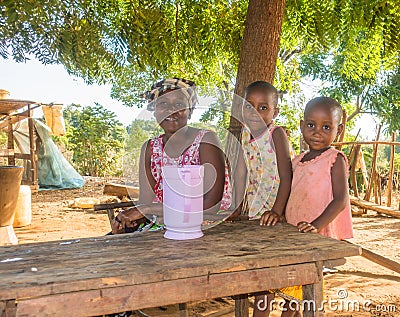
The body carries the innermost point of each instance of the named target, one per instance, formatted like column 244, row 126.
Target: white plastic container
column 23, row 210
column 183, row 201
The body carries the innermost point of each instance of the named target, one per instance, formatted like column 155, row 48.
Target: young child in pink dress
column 319, row 199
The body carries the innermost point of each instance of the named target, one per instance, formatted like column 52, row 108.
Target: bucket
column 23, row 210
column 10, row 180
column 183, row 201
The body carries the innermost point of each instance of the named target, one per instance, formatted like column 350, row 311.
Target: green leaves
column 132, row 43
column 96, row 139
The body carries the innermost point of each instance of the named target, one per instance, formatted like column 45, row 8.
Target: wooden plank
column 113, row 205
column 22, row 156
column 367, row 143
column 132, row 259
column 14, row 118
column 105, row 301
column 379, row 259
column 7, row 152
column 391, row 211
column 121, row 190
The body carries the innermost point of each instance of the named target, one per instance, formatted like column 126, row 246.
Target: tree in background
column 96, row 138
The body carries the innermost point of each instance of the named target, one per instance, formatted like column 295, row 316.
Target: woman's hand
column 270, row 218
column 304, row 226
column 126, row 219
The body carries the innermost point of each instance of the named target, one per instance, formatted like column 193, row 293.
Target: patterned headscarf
column 187, row 87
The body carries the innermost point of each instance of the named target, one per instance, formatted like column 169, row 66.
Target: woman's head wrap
column 187, row 87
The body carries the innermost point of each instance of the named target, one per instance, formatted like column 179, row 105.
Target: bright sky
column 51, row 83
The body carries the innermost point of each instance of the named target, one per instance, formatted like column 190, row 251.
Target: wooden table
column 95, row 276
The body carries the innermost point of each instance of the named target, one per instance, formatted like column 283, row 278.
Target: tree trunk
column 260, row 44
column 259, row 49
column 258, row 55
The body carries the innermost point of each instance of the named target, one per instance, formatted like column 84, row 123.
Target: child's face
column 172, row 111
column 259, row 110
column 320, row 127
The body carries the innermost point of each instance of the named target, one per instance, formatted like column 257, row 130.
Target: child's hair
column 326, row 102
column 187, row 87
column 263, row 86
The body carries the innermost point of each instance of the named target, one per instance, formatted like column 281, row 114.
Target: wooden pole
column 391, row 171
column 379, row 259
column 353, row 170
column 366, row 143
column 341, row 136
column 33, row 172
column 364, row 169
column 10, row 143
column 377, row 192
column 373, row 168
column 352, row 146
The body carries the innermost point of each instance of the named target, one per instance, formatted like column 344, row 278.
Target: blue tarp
column 54, row 171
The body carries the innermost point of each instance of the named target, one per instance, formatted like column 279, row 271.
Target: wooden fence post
column 391, row 171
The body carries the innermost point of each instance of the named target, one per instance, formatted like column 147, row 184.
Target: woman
column 173, row 101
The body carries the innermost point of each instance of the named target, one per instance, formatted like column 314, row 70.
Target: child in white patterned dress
column 263, row 173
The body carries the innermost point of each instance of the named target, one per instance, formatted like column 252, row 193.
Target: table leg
column 241, row 305
column 313, row 296
column 183, row 312
column 8, row 308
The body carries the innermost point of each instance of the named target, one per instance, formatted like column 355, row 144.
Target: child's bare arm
column 340, row 198
column 271, row 217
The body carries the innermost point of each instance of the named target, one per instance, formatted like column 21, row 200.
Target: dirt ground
column 359, row 288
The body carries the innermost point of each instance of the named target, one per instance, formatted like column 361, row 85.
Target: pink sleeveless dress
column 312, row 192
column 190, row 157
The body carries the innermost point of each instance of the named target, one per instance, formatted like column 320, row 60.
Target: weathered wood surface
column 121, row 190
column 231, row 258
column 8, row 106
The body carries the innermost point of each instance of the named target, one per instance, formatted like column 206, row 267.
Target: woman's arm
column 284, row 163
column 212, row 157
column 340, row 192
column 239, row 185
column 146, row 179
column 144, row 206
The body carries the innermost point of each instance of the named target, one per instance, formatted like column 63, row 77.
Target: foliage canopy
column 354, row 44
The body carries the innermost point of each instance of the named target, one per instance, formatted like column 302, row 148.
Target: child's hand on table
column 304, row 226
column 270, row 218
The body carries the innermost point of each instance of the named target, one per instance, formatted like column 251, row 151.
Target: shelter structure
column 44, row 165
column 12, row 112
